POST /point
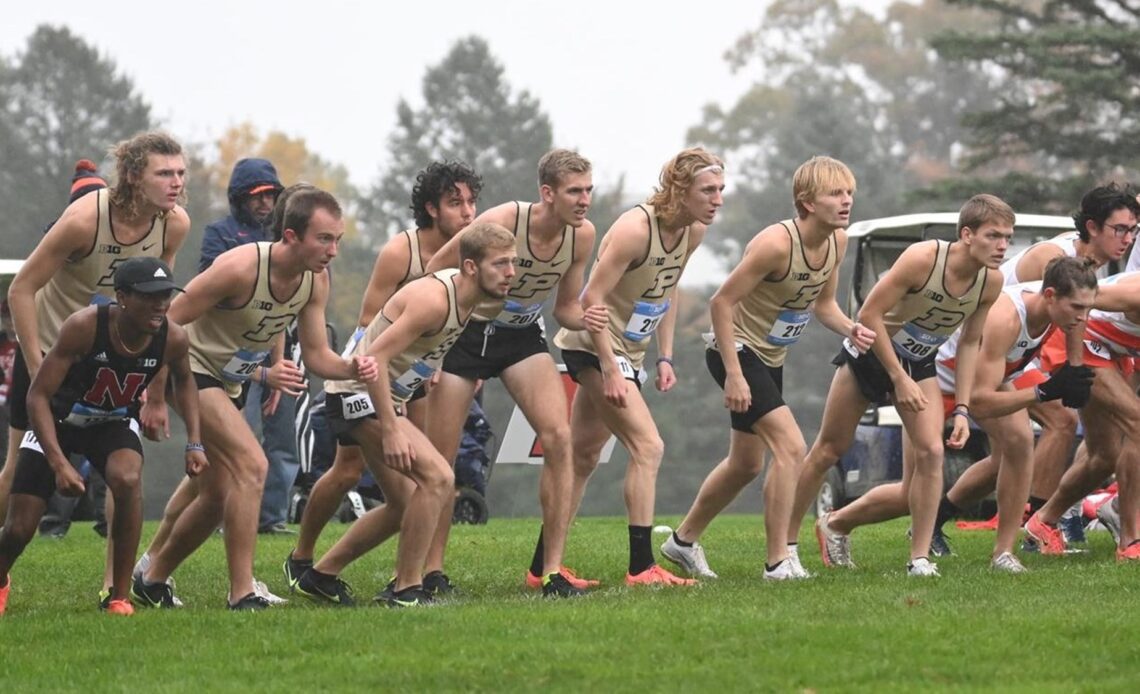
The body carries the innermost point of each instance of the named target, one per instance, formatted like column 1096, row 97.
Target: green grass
column 1068, row 625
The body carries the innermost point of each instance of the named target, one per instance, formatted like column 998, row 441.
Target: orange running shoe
column 1049, row 539
column 120, row 607
column 1129, row 553
column 4, row 595
column 990, row 524
column 657, row 576
column 535, row 582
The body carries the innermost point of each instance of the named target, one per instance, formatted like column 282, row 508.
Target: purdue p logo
column 531, row 283
column 269, row 328
column 939, row 318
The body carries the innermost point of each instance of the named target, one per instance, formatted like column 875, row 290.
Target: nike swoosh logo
column 147, row 248
column 295, row 304
column 558, row 263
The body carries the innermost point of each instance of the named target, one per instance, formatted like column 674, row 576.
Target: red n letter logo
column 107, row 388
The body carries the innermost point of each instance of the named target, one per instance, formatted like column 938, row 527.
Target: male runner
column 1102, row 209
column 507, row 339
column 1112, row 439
column 639, row 264
column 84, row 399
column 408, row 338
column 788, row 273
column 234, row 312
column 443, row 201
column 932, row 289
column 74, row 263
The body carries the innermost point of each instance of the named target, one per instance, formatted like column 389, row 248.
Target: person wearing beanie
column 85, row 180
column 74, row 263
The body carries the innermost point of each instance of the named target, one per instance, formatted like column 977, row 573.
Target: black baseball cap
column 145, row 275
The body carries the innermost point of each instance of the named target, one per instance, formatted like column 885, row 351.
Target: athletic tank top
column 228, row 344
column 1067, row 242
column 106, row 385
column 774, row 314
column 416, row 364
column 415, row 260
column 639, row 301
column 1113, row 330
column 1023, row 351
column 924, row 319
column 534, row 279
column 89, row 279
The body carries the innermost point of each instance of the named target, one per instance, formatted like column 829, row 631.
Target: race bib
column 915, row 344
column 710, row 342
column 518, row 315
column 243, row 365
column 419, row 373
column 85, row 416
column 350, row 346
column 1098, row 349
column 628, row 372
column 356, row 406
column 788, row 327
column 31, row 442
column 643, row 323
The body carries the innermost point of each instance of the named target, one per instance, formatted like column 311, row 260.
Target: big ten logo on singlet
column 794, row 316
column 916, row 340
column 110, row 249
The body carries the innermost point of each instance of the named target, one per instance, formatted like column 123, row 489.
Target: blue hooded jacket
column 238, row 228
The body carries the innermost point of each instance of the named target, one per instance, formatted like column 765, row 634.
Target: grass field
column 1068, row 625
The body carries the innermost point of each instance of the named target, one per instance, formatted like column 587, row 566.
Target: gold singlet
column 228, row 344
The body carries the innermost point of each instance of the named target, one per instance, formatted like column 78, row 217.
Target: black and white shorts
column 344, row 411
column 484, row 350
column 204, row 382
column 577, row 361
column 34, row 475
column 765, row 382
column 874, row 383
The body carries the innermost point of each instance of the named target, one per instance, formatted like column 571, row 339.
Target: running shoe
column 439, row 585
column 383, row 596
column 834, row 547
column 557, row 586
column 535, row 582
column 146, row 594
column 922, row 567
column 104, row 598
column 250, row 603
column 939, row 546
column 797, row 566
column 784, row 571
column 1008, row 563
column 4, row 595
column 1129, row 553
column 1049, row 539
column 263, row 591
column 330, row 590
column 413, row 596
column 121, row 607
column 1072, row 526
column 657, row 576
column 691, row 559
column 1108, row 514
column 294, row 568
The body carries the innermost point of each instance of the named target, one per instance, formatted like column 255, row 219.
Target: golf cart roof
column 922, row 220
column 10, row 267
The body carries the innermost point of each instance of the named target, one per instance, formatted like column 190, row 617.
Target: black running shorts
column 18, row 395
column 342, row 420
column 874, row 383
column 577, row 361
column 765, row 382
column 34, row 475
column 204, row 382
column 484, row 350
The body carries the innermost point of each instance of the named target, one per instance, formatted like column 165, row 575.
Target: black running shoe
column 438, row 585
column 414, row 596
column 557, row 586
column 145, row 594
column 250, row 603
column 383, row 596
column 294, row 568
column 939, row 547
column 325, row 589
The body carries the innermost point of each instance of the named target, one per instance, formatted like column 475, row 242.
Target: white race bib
column 418, row 374
column 1099, row 349
column 243, row 365
column 85, row 416
column 644, row 320
column 915, row 344
column 788, row 327
column 518, row 315
column 625, row 368
column 356, row 406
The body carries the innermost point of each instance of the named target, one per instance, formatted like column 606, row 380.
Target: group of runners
column 107, row 339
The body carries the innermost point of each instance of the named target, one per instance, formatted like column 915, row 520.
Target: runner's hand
column 908, row 395
column 365, row 369
column 196, row 463
column 613, row 386
column 861, row 337
column 286, row 377
column 666, row 377
column 398, row 452
column 155, row 419
column 68, row 482
column 596, row 318
column 737, row 394
column 960, row 433
column 1069, row 384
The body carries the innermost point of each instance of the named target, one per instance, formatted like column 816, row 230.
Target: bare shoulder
column 503, row 214
column 773, row 238
column 178, row 220
column 994, row 283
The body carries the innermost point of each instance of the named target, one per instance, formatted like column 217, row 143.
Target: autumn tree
column 62, row 100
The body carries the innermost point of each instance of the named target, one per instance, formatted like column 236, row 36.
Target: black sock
column 1035, row 504
column 322, row 579
column 678, row 540
column 640, row 550
column 418, row 586
column 536, row 561
column 946, row 510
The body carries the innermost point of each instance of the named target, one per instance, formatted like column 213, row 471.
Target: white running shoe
column 1008, row 563
column 797, row 566
column 262, row 591
column 784, row 571
column 922, row 567
column 833, row 546
column 691, row 559
column 1108, row 514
